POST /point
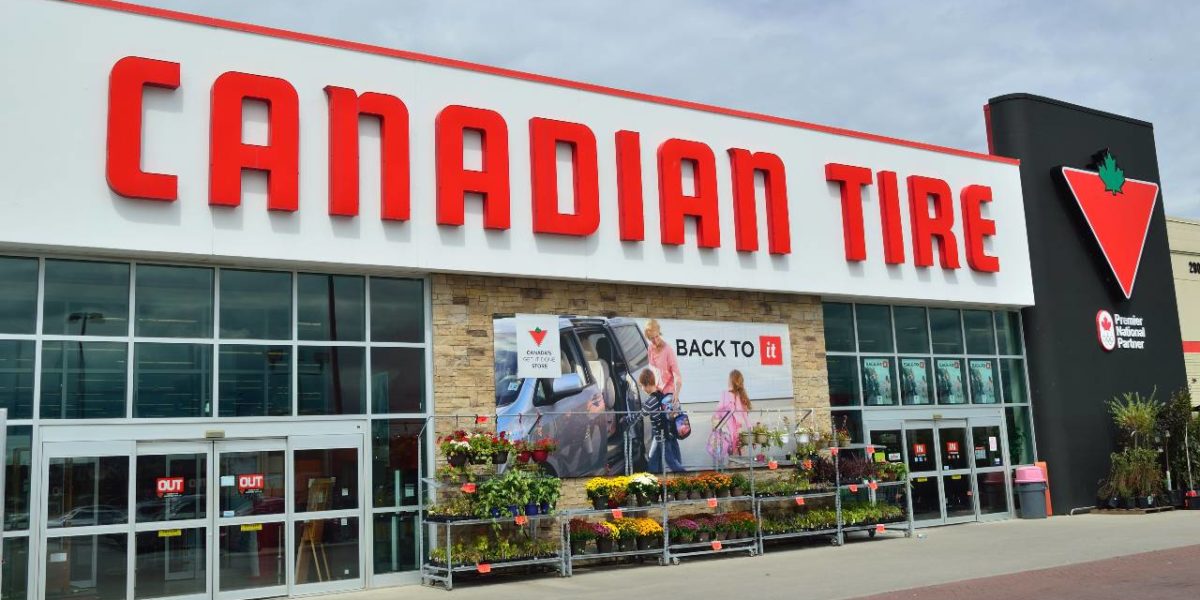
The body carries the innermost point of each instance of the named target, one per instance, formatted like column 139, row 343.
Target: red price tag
column 712, row 502
column 874, row 486
column 481, row 419
column 484, row 568
column 522, row 519
column 716, row 545
column 773, row 465
column 468, row 488
column 880, row 529
column 853, row 487
column 799, row 500
column 870, row 449
column 807, row 464
column 833, row 451
column 616, row 513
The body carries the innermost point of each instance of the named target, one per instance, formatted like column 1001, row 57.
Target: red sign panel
column 952, row 447
column 251, row 483
column 168, row 487
column 771, row 350
column 919, row 449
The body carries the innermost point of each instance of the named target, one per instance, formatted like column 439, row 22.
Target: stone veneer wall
column 464, row 305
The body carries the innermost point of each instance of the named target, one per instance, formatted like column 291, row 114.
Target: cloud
column 914, row 70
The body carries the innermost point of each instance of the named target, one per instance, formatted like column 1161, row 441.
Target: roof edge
column 1064, row 104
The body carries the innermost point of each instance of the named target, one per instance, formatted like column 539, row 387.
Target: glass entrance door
column 250, row 527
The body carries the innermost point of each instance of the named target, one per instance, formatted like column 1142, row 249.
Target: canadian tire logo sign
column 1118, row 211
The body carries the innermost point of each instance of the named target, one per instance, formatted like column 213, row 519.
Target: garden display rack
column 432, row 573
column 656, row 510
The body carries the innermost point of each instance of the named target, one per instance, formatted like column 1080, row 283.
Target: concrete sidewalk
column 863, row 567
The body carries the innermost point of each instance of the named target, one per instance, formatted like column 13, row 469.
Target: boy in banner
column 658, row 405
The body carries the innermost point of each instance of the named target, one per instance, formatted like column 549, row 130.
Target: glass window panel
column 397, row 380
column 173, row 380
column 926, row 502
column 874, row 327
column 16, row 377
column 946, row 327
column 1013, row 370
column 984, row 380
column 395, row 462
column 920, row 450
column 86, row 566
column 256, row 305
column 326, row 479
column 251, row 556
column 331, row 380
column 912, row 330
column 954, row 448
column 916, row 385
column 15, row 577
column 83, row 380
column 395, row 542
column 993, row 496
column 87, row 490
column 174, row 301
column 170, row 562
column 86, row 298
column 987, row 446
column 326, row 550
column 1020, row 435
column 17, row 477
column 255, row 381
column 330, row 307
column 397, row 310
column 18, row 295
column 171, row 487
column 948, row 378
column 264, row 498
column 1008, row 324
column 959, row 500
column 848, row 422
column 843, row 380
column 879, row 385
column 981, row 337
column 839, row 327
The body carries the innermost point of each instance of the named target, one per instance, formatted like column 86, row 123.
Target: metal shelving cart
column 674, row 552
column 432, row 573
column 806, row 499
column 659, row 553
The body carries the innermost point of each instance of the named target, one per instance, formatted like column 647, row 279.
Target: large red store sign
column 362, row 158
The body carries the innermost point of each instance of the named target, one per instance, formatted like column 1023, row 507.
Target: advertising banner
column 950, row 381
column 914, row 380
column 983, row 382
column 537, row 349
column 877, row 381
column 621, row 380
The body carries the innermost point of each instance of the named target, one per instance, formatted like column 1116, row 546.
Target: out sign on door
column 251, row 483
column 168, row 487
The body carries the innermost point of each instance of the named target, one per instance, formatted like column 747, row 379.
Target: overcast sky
column 920, row 70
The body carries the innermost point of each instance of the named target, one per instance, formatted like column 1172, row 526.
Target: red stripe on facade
column 1192, row 347
column 514, row 74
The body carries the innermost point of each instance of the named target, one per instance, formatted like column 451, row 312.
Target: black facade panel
column 1072, row 377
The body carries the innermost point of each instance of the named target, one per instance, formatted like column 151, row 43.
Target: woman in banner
column 731, row 417
column 665, row 366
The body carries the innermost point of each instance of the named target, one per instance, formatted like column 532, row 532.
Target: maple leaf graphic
column 1106, row 324
column 1112, row 175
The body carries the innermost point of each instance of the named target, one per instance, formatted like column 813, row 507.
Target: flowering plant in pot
column 541, row 449
column 738, row 485
column 456, row 448
column 598, row 490
column 677, row 488
column 644, row 487
column 524, row 451
column 683, row 530
column 501, row 449
column 626, row 533
column 606, row 535
column 482, row 446
column 762, row 434
column 648, row 531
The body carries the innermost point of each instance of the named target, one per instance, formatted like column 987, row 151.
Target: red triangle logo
column 1120, row 221
column 538, row 335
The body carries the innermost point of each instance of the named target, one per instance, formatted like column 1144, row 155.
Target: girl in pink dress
column 731, row 417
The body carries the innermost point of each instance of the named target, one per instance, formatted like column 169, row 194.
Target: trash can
column 1031, row 487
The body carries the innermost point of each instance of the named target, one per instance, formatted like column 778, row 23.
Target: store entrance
column 227, row 519
column 957, row 467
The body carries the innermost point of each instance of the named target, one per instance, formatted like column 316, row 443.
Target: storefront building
column 249, row 276
column 1185, row 264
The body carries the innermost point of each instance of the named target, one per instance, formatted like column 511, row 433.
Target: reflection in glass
column 1013, row 370
column 15, row 576
column 251, row 555
column 326, row 550
column 889, row 446
column 959, row 500
column 874, row 327
column 173, row 380
column 397, row 380
column 395, row 459
column 916, row 386
column 83, row 380
column 256, row 305
column 255, row 381
column 326, row 479
column 86, row 566
column 171, row 487
column 992, row 493
column 1020, row 435
column 87, row 490
column 839, row 327
column 985, row 386
column 850, row 422
column 86, row 298
column 949, row 381
column 18, row 295
column 946, row 327
column 16, row 378
column 395, row 542
column 1008, row 324
column 926, row 502
column 170, row 562
column 912, row 331
column 981, row 338
column 397, row 310
column 173, row 301
column 17, row 477
column 879, row 387
column 251, row 483
column 843, row 380
column 330, row 307
column 331, row 380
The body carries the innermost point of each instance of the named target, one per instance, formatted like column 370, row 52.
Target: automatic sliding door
column 251, row 522
column 327, row 513
column 172, row 516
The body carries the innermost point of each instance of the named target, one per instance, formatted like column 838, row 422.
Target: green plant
column 1136, row 416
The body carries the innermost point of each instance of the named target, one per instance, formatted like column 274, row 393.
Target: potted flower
column 481, row 447
column 606, row 534
column 501, row 449
column 738, row 484
column 648, row 531
column 598, row 490
column 626, row 534
column 582, row 532
column 682, row 530
column 523, row 450
column 456, row 448
column 705, row 528
column 644, row 488
column 677, row 488
column 721, row 484
column 762, row 435
column 545, row 491
column 542, row 448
